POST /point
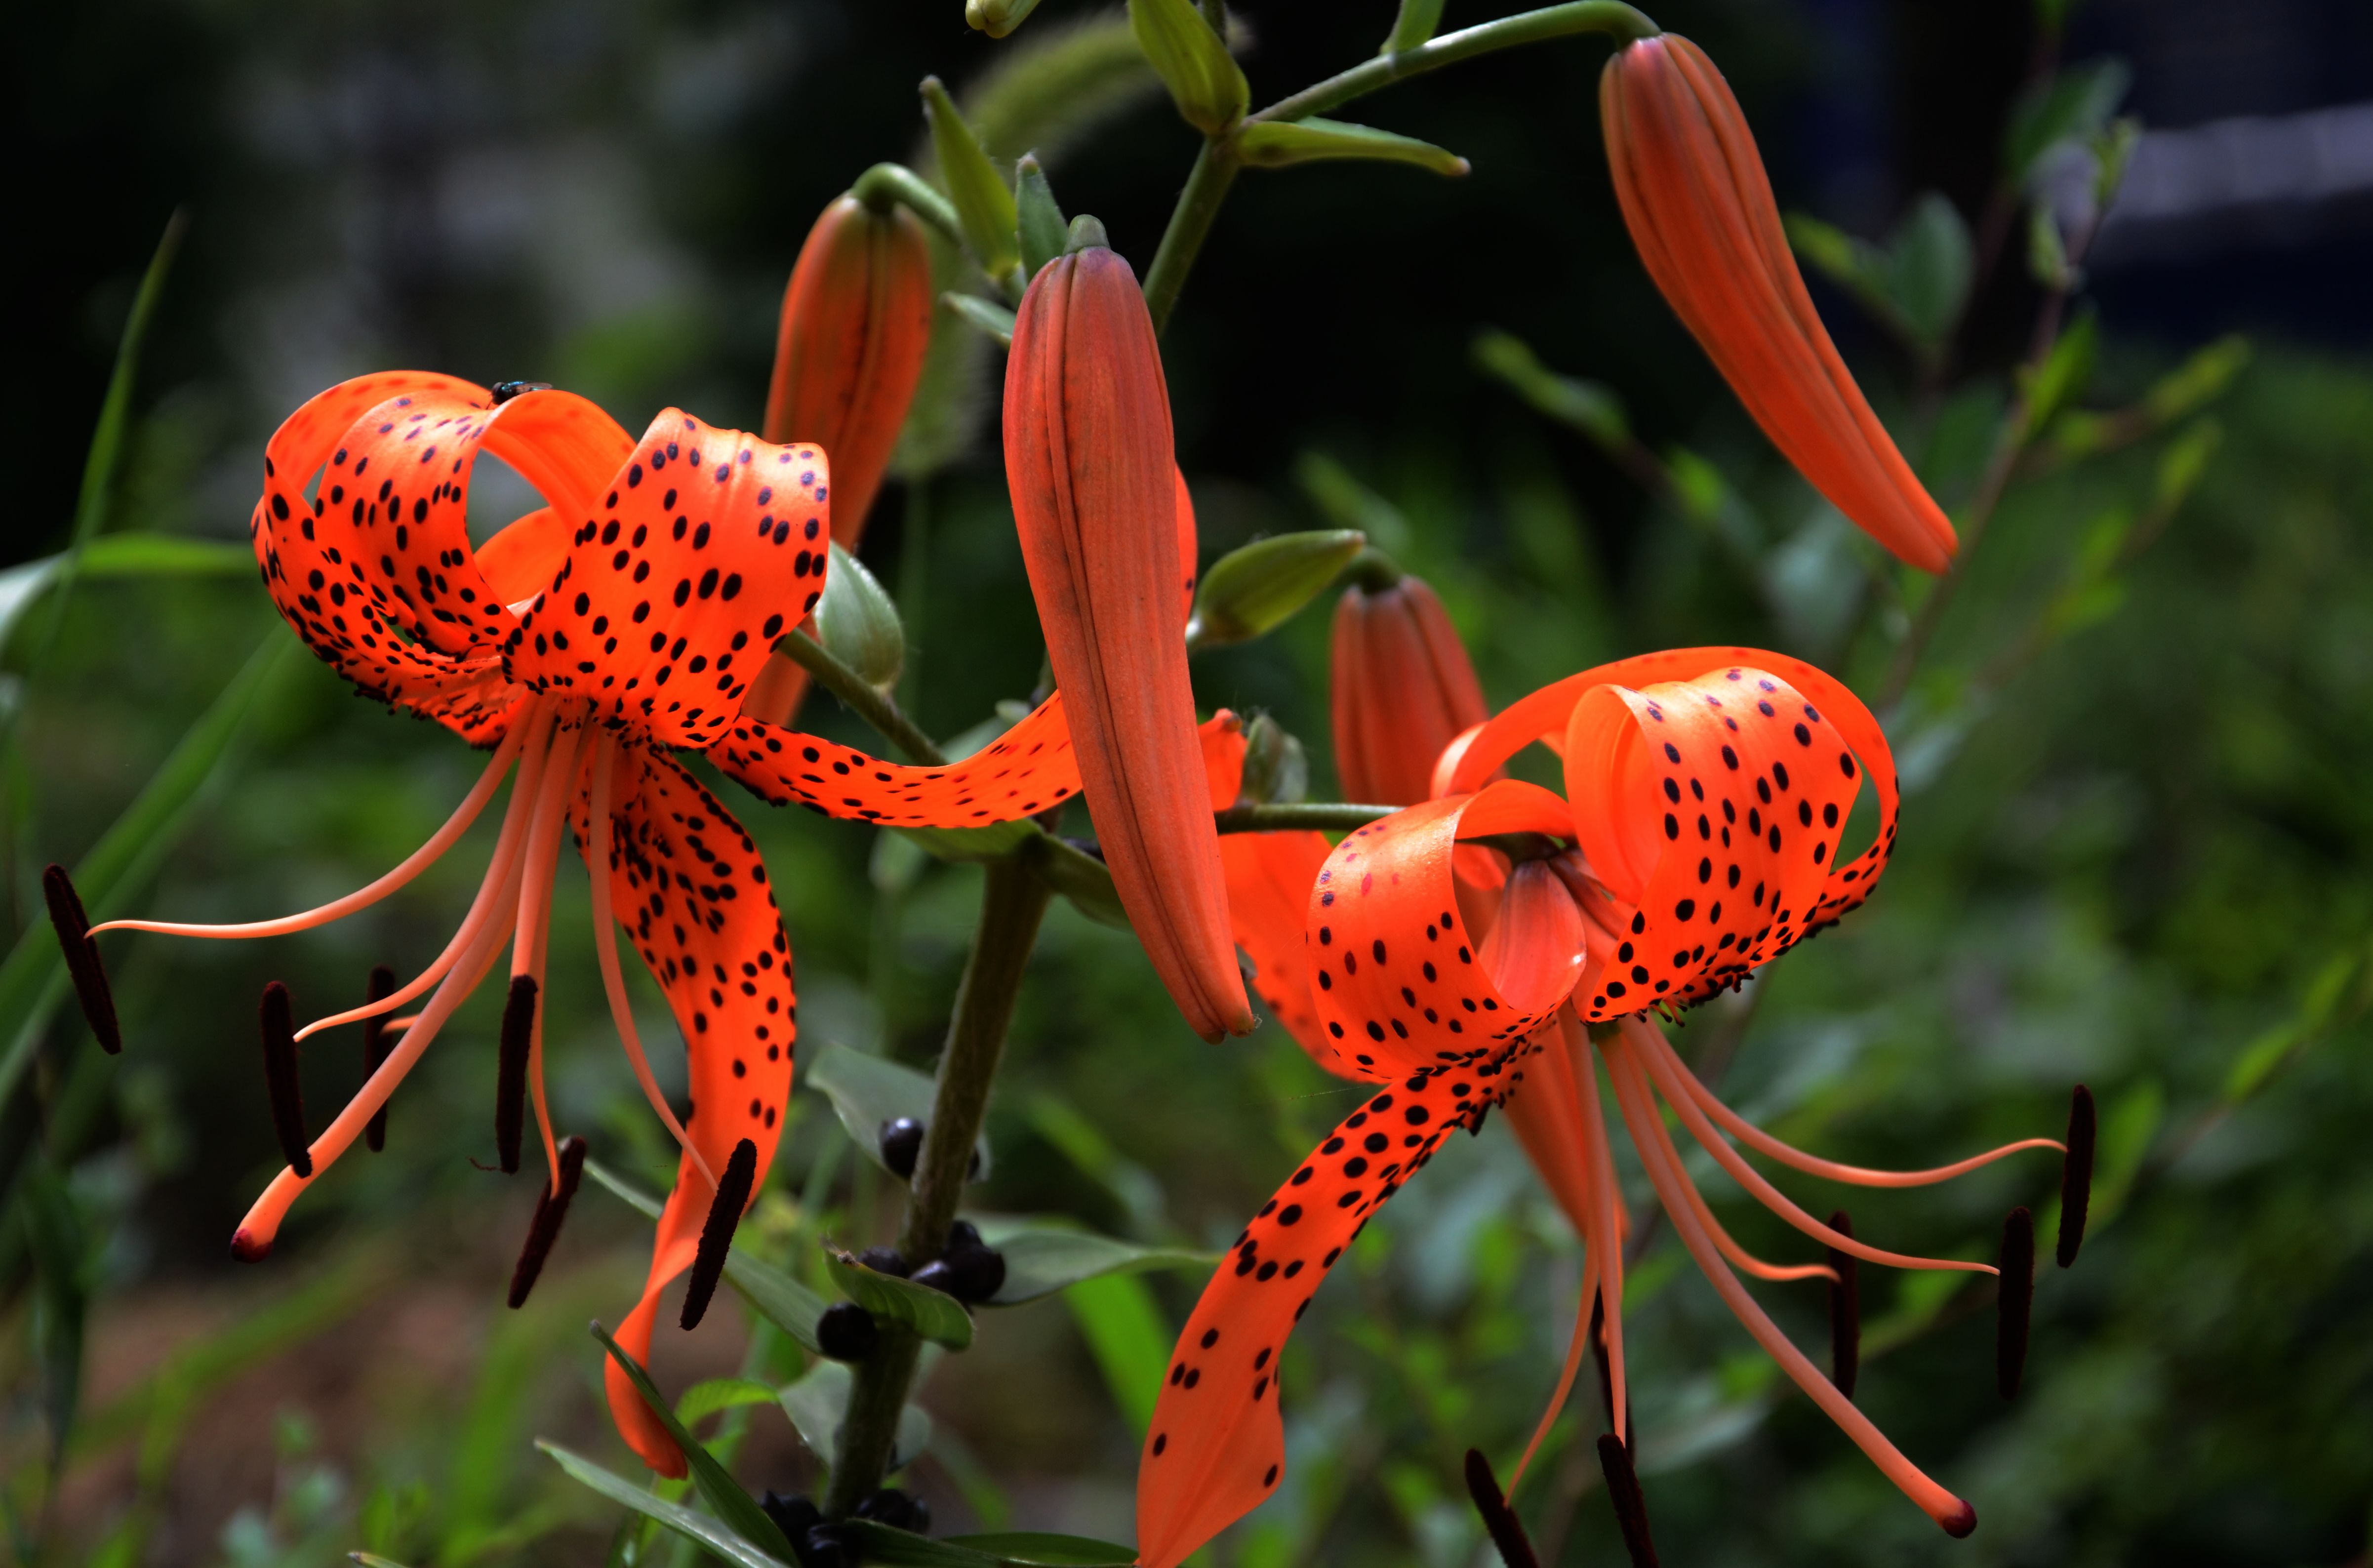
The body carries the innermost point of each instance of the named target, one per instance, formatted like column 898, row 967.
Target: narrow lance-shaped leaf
column 1274, row 144
column 985, row 317
column 723, row 1494
column 1039, row 221
column 699, row 1528
column 868, row 1092
column 1042, row 1260
column 983, row 204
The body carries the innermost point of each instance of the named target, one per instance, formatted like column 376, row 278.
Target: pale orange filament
column 606, row 947
column 479, row 941
column 1677, row 1072
column 537, row 723
column 1738, row 1256
column 1604, row 1238
column 419, row 860
column 1729, row 1159
column 531, row 931
column 1640, row 1114
column 1575, row 1352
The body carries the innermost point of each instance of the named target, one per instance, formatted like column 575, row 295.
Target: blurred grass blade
column 696, row 1527
column 1125, row 1331
column 117, row 556
column 704, row 1400
column 56, row 1237
column 32, row 980
column 1038, row 1548
column 737, row 1509
column 106, row 453
column 904, row 1548
column 774, row 1294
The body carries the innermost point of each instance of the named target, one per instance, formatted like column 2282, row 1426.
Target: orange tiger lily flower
column 1706, row 791
column 1699, row 208
column 1402, row 687
column 1096, row 501
column 584, row 644
column 856, row 325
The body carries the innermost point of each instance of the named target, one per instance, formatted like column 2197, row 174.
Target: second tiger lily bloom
column 1706, row 795
column 1701, row 211
column 584, row 645
column 1088, row 458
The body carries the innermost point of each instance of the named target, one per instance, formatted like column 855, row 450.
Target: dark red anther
column 510, row 1070
column 382, row 985
column 550, row 1208
column 1845, row 1311
column 1499, row 1521
column 83, row 966
column 2076, row 1174
column 280, row 1081
column 717, row 1231
column 1630, row 1508
column 2014, row 1301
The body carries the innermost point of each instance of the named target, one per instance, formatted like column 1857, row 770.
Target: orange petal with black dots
column 687, row 884
column 1023, row 772
column 1400, row 981
column 1216, row 1447
column 707, row 544
column 856, row 325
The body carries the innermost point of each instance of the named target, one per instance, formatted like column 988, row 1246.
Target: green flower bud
column 1250, row 591
column 858, row 625
column 1039, row 222
column 1193, row 63
column 998, row 18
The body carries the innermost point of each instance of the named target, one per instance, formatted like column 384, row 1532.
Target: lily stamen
column 280, row 1079
column 1630, row 1507
column 2076, row 1174
column 725, row 1208
column 2013, row 1301
column 550, row 1208
column 83, row 966
column 375, row 1032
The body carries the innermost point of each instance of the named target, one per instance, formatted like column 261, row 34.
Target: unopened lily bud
column 1193, row 63
column 1252, row 591
column 856, row 321
column 1095, row 498
column 1403, row 689
column 1701, row 211
column 858, row 624
column 998, row 18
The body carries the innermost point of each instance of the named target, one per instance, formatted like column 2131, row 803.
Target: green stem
column 1609, row 16
column 1190, row 224
column 1012, row 901
column 875, row 708
column 886, row 185
column 1327, row 816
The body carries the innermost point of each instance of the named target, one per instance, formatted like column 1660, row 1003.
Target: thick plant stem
column 1327, row 816
column 1012, row 901
column 1619, row 22
column 1190, row 223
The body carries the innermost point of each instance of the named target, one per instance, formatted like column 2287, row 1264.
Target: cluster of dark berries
column 902, row 1145
column 967, row 1268
column 821, row 1544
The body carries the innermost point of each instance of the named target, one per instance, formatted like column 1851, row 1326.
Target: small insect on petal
column 510, row 1070
column 1499, row 1521
column 280, row 1081
column 82, row 957
column 1845, row 1311
column 375, row 1047
column 716, row 1232
column 2015, row 1302
column 2076, row 1174
column 550, row 1208
column 1630, row 1508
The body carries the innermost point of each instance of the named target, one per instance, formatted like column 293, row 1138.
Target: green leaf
column 2180, row 466
column 983, row 204
column 737, row 1509
column 1125, row 1333
column 704, row 1400
column 1345, row 502
column 818, row 1403
column 985, row 316
column 935, row 1315
column 129, row 555
column 1415, row 25
column 1931, row 264
column 904, row 1548
column 699, row 1528
column 1080, row 877
column 1254, row 589
column 1039, row 221
column 2074, row 105
column 1193, row 63
column 2047, row 252
column 2066, row 371
column 858, row 624
column 372, row 1560
column 774, row 1294
column 1037, row 1549
column 1041, row 1259
column 868, row 1090
column 2201, row 377
column 32, row 980
column 1276, row 144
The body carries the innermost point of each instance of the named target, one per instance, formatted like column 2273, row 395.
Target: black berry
column 846, row 1331
column 795, row 1517
column 902, row 1145
column 936, row 1275
column 976, row 1274
column 883, row 1260
column 894, row 1508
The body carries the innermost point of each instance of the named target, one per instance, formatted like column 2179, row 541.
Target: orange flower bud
column 1701, row 211
column 1095, row 496
column 1403, row 689
column 857, row 319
